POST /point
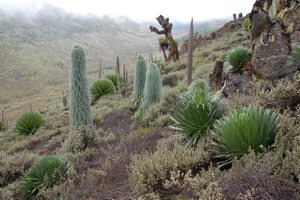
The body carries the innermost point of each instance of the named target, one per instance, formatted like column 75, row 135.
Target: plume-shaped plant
column 139, row 77
column 29, row 123
column 295, row 55
column 102, row 87
column 80, row 104
column 243, row 130
column 153, row 86
column 195, row 114
column 45, row 173
column 238, row 58
column 114, row 79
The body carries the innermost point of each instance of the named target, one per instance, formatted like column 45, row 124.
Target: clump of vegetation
column 238, row 58
column 295, row 55
column 163, row 40
column 255, row 180
column 147, row 169
column 243, row 130
column 80, row 104
column 247, row 24
column 46, row 173
column 2, row 126
column 160, row 64
column 195, row 114
column 223, row 56
column 240, row 15
column 29, row 123
column 102, row 87
column 139, row 78
column 197, row 61
column 153, row 92
column 114, row 79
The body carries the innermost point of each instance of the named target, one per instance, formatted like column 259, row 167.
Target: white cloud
column 141, row 10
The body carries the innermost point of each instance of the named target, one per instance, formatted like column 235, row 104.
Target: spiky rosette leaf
column 243, row 130
column 238, row 58
column 139, row 77
column 153, row 86
column 192, row 120
column 80, row 104
column 29, row 123
column 114, row 79
column 45, row 173
column 102, row 87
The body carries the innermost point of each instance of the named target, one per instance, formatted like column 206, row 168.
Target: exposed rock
column 260, row 21
column 238, row 83
column 216, row 78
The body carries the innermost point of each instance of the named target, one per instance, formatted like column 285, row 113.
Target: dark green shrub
column 114, row 79
column 139, row 78
column 195, row 114
column 238, row 58
column 102, row 87
column 153, row 86
column 29, row 123
column 47, row 172
column 295, row 55
column 240, row 15
column 80, row 104
column 245, row 129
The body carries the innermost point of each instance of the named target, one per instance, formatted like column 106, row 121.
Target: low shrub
column 102, row 87
column 238, row 59
column 47, row 172
column 245, row 129
column 29, row 123
column 148, row 170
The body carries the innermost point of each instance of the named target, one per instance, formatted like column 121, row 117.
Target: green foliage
column 29, row 123
column 139, row 77
column 162, row 40
column 114, row 79
column 245, row 129
column 80, row 104
column 240, row 15
column 247, row 24
column 160, row 64
column 295, row 55
column 195, row 114
column 197, row 61
column 46, row 173
column 198, row 90
column 102, row 87
column 238, row 58
column 64, row 101
column 2, row 126
column 139, row 114
column 153, row 86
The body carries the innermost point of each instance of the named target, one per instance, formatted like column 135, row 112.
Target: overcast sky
column 141, row 10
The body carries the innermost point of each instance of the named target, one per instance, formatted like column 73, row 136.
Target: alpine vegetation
column 295, row 55
column 195, row 114
column 153, row 92
column 102, row 87
column 139, row 77
column 238, row 58
column 243, row 130
column 46, row 173
column 29, row 123
column 80, row 104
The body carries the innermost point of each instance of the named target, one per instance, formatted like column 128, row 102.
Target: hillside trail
column 111, row 181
